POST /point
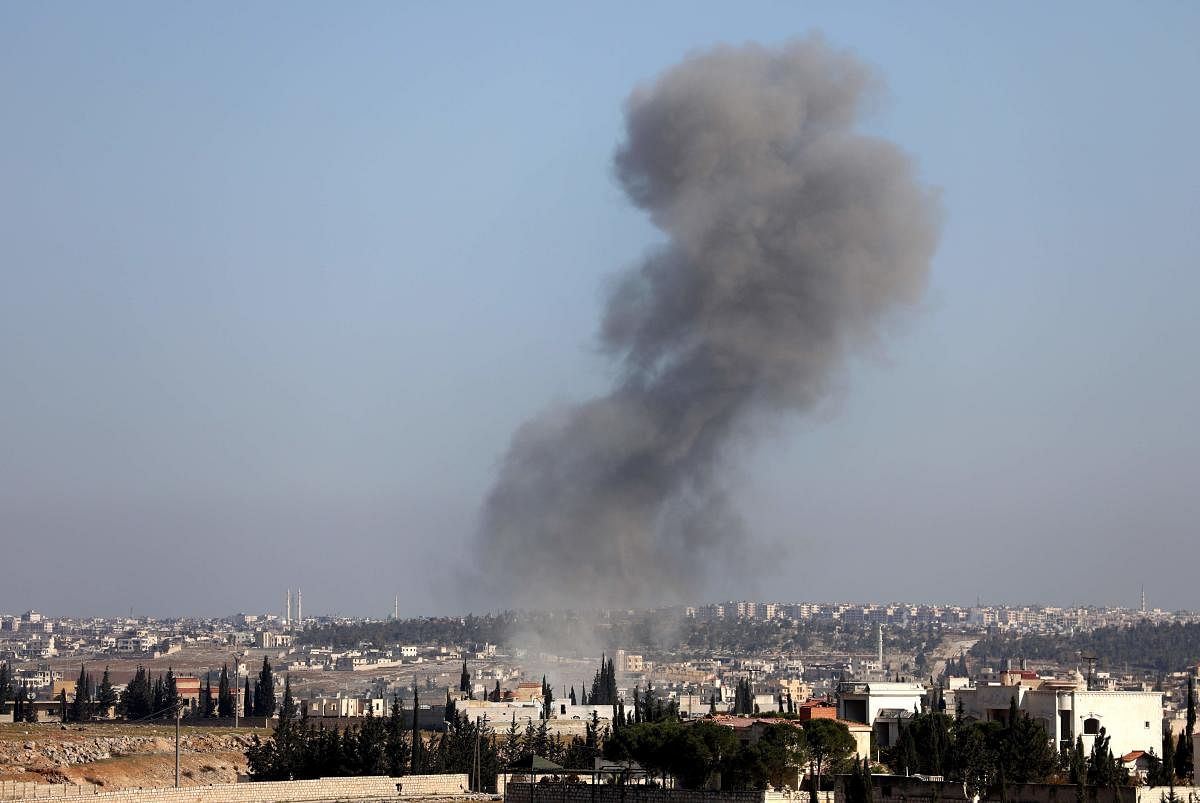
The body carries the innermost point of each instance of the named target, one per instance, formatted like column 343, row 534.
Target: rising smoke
column 790, row 239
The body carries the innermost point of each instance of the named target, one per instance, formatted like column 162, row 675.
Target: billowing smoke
column 791, row 239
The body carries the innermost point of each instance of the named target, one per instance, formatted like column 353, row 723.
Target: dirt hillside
column 116, row 756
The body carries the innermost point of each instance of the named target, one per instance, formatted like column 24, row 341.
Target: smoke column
column 791, row 238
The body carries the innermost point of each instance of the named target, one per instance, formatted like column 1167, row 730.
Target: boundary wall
column 551, row 792
column 366, row 787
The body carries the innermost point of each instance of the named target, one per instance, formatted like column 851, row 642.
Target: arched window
column 1091, row 726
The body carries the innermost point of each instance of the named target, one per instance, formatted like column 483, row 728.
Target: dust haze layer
column 791, row 239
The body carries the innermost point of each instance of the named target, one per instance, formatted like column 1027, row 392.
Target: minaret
column 1143, row 599
column 287, row 616
column 300, row 607
column 396, row 608
column 880, row 634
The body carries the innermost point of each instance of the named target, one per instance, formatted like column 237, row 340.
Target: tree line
column 645, row 631
column 651, row 734
column 1165, row 647
column 144, row 697
column 696, row 753
column 395, row 745
column 988, row 756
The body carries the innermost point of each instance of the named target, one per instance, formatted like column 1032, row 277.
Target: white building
column 862, row 702
column 498, row 715
column 564, row 709
column 1066, row 709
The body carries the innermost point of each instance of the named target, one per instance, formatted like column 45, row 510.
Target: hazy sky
column 278, row 281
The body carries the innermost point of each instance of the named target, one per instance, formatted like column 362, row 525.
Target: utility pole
column 178, row 714
column 237, row 695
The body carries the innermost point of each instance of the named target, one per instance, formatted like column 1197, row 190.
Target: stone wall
column 896, row 789
column 364, row 787
column 551, row 792
column 1155, row 794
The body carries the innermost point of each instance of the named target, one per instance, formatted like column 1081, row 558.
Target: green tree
column 224, row 694
column 464, row 682
column 6, row 689
column 1103, row 768
column 1076, row 760
column 1168, row 760
column 906, row 752
column 206, row 700
column 830, row 745
column 81, row 706
column 510, row 751
column 782, row 751
column 170, row 700
column 418, row 746
column 693, row 754
column 106, row 695
column 19, row 703
column 264, row 691
column 396, row 744
column 856, row 785
column 1025, row 754
column 137, row 700
column 1184, row 751
column 158, row 696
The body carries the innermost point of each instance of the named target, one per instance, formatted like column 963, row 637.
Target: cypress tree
column 247, row 701
column 288, row 708
column 496, row 693
column 264, row 691
column 397, row 751
column 418, row 757
column 81, row 704
column 158, row 697
column 138, row 697
column 1183, row 753
column 170, row 693
column 206, row 708
column 106, row 695
column 572, row 698
column 224, row 696
column 464, row 680
column 5, row 686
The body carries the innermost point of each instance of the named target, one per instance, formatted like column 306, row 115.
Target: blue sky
column 278, row 281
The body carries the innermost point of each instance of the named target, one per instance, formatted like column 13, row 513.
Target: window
column 1091, row 726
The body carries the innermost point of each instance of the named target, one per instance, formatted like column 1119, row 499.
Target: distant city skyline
column 395, row 611
column 280, row 282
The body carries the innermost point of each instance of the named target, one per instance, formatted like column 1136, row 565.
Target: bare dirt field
column 121, row 755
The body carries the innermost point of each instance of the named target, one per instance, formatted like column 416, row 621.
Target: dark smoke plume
column 790, row 239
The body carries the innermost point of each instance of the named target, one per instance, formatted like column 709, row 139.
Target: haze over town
column 279, row 289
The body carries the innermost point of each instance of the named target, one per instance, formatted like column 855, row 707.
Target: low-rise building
column 1067, row 710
